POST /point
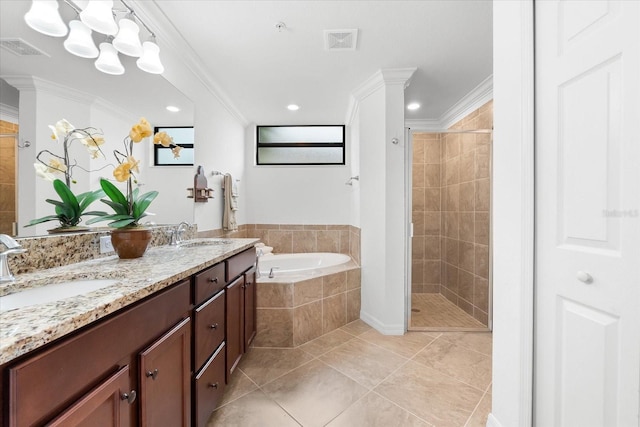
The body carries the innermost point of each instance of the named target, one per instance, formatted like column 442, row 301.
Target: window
column 300, row 145
column 184, row 137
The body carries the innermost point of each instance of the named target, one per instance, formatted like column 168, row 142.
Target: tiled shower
column 451, row 182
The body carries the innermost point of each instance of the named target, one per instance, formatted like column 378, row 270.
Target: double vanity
column 153, row 342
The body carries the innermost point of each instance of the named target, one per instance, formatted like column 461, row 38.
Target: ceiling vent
column 340, row 39
column 21, row 47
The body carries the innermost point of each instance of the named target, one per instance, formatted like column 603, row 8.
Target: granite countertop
column 25, row 329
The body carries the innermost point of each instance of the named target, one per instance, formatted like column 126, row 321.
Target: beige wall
column 459, row 244
column 8, row 147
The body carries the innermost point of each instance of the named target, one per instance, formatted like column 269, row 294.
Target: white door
column 587, row 313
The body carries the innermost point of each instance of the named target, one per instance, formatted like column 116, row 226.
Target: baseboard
column 380, row 326
column 493, row 421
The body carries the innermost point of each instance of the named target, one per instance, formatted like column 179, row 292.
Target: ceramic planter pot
column 130, row 242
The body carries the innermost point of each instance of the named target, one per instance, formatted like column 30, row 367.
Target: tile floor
column 355, row 376
column 429, row 311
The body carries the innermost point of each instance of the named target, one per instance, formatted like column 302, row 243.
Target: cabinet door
column 234, row 323
column 164, row 379
column 249, row 308
column 109, row 404
column 209, row 387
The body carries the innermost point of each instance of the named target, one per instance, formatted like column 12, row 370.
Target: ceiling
column 260, row 69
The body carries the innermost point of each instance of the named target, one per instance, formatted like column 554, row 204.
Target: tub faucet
column 271, row 275
column 13, row 247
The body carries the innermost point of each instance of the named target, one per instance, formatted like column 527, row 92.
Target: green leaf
column 43, row 219
column 142, row 203
column 98, row 213
column 67, row 196
column 113, row 192
column 85, row 199
column 118, row 208
column 122, row 223
column 113, row 217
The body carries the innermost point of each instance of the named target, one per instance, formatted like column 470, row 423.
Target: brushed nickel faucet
column 13, row 247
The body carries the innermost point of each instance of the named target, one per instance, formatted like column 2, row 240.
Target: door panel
column 587, row 352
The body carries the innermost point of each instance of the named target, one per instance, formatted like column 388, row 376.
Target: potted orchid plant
column 129, row 238
column 71, row 207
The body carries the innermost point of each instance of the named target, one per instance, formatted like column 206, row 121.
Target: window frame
column 342, row 145
column 158, row 147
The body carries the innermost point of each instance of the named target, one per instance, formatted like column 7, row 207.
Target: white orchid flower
column 43, row 172
column 61, row 129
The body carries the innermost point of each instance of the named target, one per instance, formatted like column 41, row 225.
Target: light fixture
column 80, row 42
column 45, row 18
column 108, row 61
column 413, row 106
column 98, row 15
column 293, row 107
column 172, row 108
column 150, row 59
column 127, row 41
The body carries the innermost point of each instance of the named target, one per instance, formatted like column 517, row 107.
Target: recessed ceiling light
column 172, row 108
column 293, row 107
column 413, row 106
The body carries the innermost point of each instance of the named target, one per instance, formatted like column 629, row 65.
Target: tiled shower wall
column 462, row 239
column 8, row 147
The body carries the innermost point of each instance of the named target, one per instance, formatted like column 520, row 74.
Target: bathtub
column 309, row 295
column 303, row 264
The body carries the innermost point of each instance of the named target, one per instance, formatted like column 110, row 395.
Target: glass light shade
column 108, row 61
column 150, row 59
column 45, row 18
column 79, row 41
column 98, row 16
column 127, row 40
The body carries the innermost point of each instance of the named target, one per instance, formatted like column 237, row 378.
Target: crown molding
column 32, row 84
column 173, row 41
column 9, row 113
column 381, row 78
column 475, row 99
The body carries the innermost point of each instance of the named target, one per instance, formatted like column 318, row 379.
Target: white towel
column 228, row 215
column 259, row 245
column 266, row 250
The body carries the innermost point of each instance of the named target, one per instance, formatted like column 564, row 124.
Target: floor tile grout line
column 448, row 375
column 467, row 346
column 404, row 409
column 475, row 409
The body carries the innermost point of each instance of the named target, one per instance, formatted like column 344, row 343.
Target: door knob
column 129, row 397
column 153, row 374
column 584, row 277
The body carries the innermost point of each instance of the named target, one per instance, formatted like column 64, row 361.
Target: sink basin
column 53, row 292
column 208, row 242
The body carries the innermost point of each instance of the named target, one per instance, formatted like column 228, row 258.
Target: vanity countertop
column 25, row 329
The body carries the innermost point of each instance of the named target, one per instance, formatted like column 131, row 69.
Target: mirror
column 27, row 53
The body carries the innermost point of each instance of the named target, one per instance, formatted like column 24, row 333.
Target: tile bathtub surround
column 58, row 250
column 355, row 376
column 291, row 314
column 298, row 238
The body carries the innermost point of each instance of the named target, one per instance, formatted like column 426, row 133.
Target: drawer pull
column 214, row 326
column 214, row 385
column 153, row 374
column 129, row 397
column 213, row 279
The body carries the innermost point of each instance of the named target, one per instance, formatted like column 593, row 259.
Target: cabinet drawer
column 209, row 282
column 209, row 328
column 209, row 387
column 238, row 264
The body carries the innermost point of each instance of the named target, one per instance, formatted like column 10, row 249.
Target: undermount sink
column 207, row 242
column 53, row 292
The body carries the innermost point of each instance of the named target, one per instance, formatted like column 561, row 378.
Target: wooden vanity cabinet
column 67, row 372
column 165, row 379
column 234, row 324
column 108, row 404
column 249, row 307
